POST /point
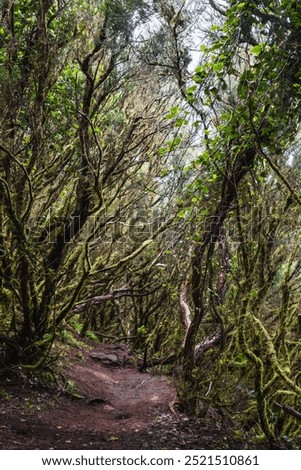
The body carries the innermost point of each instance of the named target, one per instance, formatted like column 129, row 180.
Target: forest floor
column 120, row 408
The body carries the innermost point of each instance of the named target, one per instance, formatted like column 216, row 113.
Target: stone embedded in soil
column 108, row 408
column 105, row 357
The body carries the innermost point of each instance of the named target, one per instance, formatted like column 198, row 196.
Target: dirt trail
column 118, row 407
column 121, row 408
column 117, row 397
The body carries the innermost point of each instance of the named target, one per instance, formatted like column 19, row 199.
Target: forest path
column 121, row 408
column 117, row 397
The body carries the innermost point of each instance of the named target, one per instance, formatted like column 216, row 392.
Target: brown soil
column 121, row 408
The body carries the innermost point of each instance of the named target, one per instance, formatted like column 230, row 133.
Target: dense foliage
column 147, row 200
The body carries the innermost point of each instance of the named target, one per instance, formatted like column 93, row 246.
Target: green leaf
column 182, row 213
column 181, row 122
column 256, row 50
column 190, row 90
column 173, row 112
column 218, row 67
column 172, row 144
column 162, row 151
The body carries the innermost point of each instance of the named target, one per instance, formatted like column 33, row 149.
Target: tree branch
column 291, row 411
column 217, row 8
column 110, row 296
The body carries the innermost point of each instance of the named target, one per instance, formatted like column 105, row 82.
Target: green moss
column 6, row 301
